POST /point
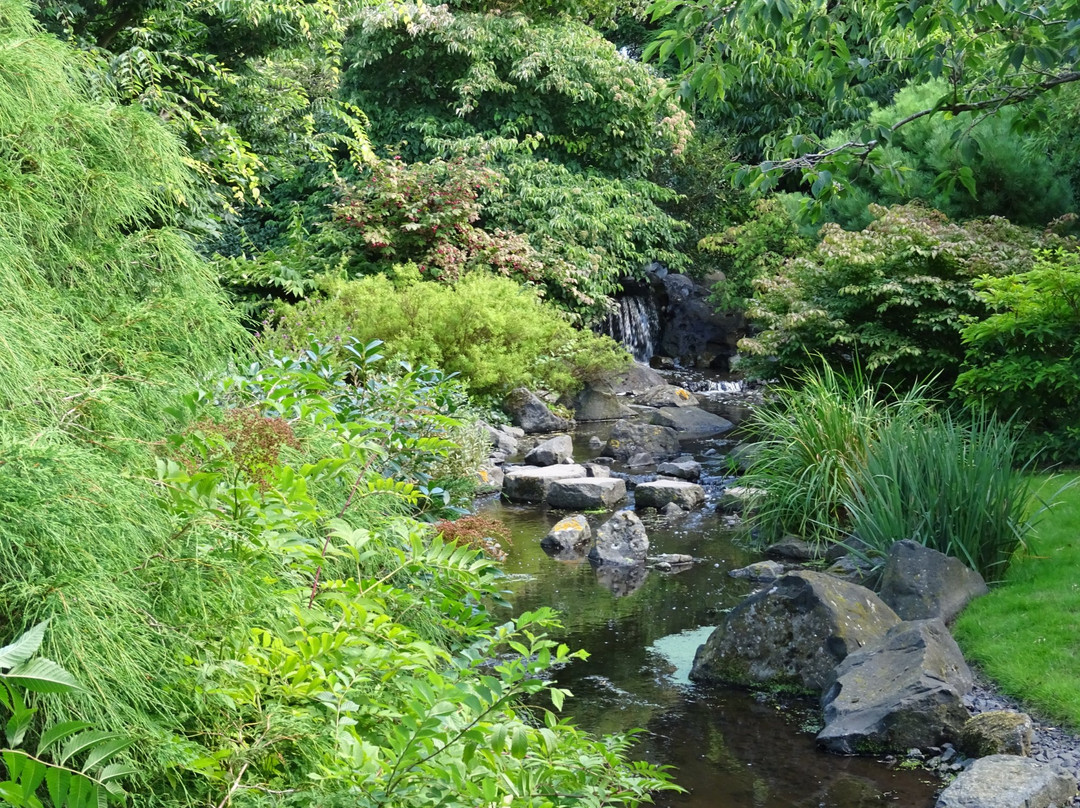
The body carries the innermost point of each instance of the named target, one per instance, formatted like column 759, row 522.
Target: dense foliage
column 1021, row 361
column 893, row 296
column 497, row 334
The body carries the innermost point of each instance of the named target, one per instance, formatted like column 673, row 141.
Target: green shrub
column 1022, row 360
column 811, row 435
column 496, row 334
column 893, row 296
column 938, row 158
column 954, row 484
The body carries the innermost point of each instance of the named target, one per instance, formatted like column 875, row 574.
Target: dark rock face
column 795, row 632
column 693, row 331
column 791, row 548
column 691, row 422
column 905, row 691
column 920, row 583
column 997, row 732
column 556, row 450
column 628, row 439
column 1007, row 781
column 532, row 415
column 621, row 540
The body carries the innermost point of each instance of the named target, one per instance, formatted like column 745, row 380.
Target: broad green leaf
column 24, row 647
column 41, row 675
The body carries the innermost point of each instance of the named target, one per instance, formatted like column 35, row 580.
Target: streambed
column 731, row 748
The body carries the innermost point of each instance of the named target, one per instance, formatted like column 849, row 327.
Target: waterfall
column 635, row 324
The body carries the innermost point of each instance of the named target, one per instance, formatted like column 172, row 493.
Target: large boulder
column 691, row 422
column 489, row 478
column 662, row 492
column 589, row 494
column 571, row 533
column 594, row 405
column 666, row 395
column 905, row 691
column 1007, row 781
column 740, row 499
column 997, row 732
column 637, row 378
column 533, row 415
column 795, row 632
column 919, row 582
column 552, row 452
column 628, row 439
column 621, row 540
column 501, row 441
column 532, row 483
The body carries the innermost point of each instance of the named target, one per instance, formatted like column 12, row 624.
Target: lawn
column 1025, row 635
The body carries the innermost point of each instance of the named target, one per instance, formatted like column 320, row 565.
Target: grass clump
column 951, row 483
column 1023, row 634
column 812, row 435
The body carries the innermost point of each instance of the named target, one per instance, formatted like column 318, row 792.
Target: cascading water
column 635, row 323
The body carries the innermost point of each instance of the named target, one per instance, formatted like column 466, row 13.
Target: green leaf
column 41, row 675
column 23, row 648
column 519, row 742
column 104, row 751
column 83, row 741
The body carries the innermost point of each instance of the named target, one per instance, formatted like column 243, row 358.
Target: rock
column 671, row 509
column 596, row 470
column 589, row 494
column 671, row 560
column 513, row 431
column 595, row 442
column 739, row 499
column 919, row 583
column 906, row 690
column 658, row 494
column 854, row 569
column 694, row 331
column 620, row 540
column 552, row 452
column 795, row 632
column 691, row 422
column 532, row 415
column 1007, row 781
column 762, row 572
column 997, row 732
column 792, row 548
column 603, row 461
column 666, row 395
column 635, row 379
column 628, row 439
column 621, row 579
column 570, row 533
column 490, row 477
column 641, row 460
column 501, row 441
column 743, row 455
column 593, row 405
column 683, row 469
column 532, row 483
column 852, row 544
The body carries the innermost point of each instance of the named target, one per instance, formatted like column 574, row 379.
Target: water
column 731, row 748
column 635, row 323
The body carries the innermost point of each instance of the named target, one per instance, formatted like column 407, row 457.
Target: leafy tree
column 893, row 296
column 249, row 84
column 963, row 165
column 1021, row 361
column 991, row 54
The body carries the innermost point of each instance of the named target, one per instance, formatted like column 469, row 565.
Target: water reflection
column 731, row 748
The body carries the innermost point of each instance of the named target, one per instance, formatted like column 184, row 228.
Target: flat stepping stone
column 532, row 483
column 691, row 422
column 662, row 492
column 1009, row 781
column 588, row 494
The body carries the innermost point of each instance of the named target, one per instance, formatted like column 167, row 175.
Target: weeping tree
column 105, row 311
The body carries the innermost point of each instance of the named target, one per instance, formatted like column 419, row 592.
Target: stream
column 731, row 748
